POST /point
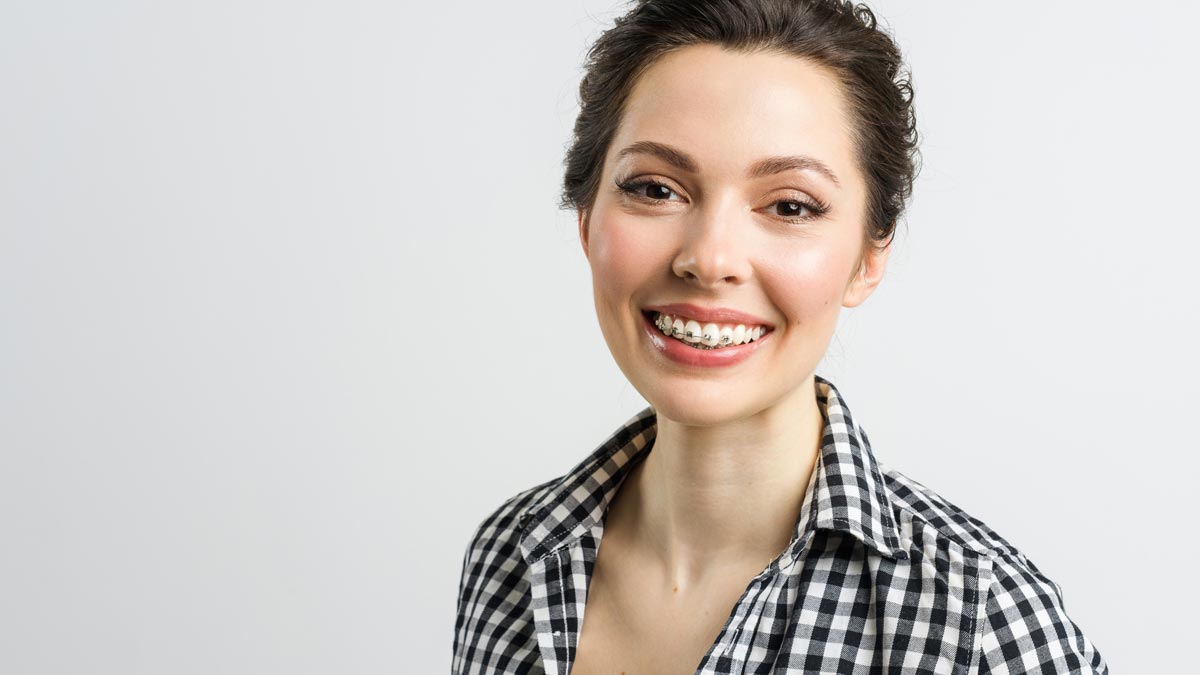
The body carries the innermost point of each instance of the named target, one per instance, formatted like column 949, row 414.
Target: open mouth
column 705, row 335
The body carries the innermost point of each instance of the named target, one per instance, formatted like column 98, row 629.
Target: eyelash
column 633, row 187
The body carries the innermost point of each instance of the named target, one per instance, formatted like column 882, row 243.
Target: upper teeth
column 709, row 334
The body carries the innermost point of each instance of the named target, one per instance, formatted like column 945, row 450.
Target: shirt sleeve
column 1025, row 628
column 465, row 591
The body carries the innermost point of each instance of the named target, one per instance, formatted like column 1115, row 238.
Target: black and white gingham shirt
column 882, row 575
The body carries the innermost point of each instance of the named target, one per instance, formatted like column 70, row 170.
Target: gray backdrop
column 247, row 422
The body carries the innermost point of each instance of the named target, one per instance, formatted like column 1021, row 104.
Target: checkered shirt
column 882, row 575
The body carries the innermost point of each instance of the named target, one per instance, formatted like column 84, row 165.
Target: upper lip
column 709, row 314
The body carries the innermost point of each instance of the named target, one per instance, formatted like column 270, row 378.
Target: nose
column 713, row 250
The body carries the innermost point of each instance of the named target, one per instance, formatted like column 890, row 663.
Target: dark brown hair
column 839, row 35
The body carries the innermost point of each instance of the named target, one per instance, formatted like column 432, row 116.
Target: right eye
column 646, row 189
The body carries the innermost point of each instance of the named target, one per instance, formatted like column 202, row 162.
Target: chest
column 633, row 628
column 670, row 643
column 834, row 605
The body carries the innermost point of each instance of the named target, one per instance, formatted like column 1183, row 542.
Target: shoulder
column 494, row 616
column 1022, row 625
column 929, row 509
column 500, row 529
column 924, row 515
column 1025, row 627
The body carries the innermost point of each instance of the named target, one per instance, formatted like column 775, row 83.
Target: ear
column 868, row 274
column 583, row 215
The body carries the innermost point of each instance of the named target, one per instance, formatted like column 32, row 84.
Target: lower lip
column 706, row 358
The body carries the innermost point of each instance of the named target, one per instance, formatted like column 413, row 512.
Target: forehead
column 729, row 108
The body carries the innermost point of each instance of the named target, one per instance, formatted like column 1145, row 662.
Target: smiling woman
column 738, row 169
column 707, row 219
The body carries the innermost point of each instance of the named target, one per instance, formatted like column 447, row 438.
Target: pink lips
column 681, row 354
column 709, row 314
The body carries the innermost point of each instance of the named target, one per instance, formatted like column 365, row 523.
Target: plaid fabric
column 882, row 576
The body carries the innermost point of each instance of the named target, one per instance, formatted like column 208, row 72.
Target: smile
column 708, row 335
column 730, row 343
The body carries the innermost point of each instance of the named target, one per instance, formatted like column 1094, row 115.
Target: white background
column 251, row 255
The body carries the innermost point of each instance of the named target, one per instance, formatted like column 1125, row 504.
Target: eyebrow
column 764, row 167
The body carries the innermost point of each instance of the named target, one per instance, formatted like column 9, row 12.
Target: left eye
column 791, row 208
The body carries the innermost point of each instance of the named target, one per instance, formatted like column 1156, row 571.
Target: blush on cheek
column 807, row 286
column 621, row 256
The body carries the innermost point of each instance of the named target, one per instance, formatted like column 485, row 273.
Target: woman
column 738, row 169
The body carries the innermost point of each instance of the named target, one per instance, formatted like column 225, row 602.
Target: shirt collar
column 845, row 493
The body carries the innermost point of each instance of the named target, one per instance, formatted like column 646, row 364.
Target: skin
column 716, row 499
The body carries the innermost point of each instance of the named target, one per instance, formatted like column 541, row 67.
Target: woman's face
column 705, row 221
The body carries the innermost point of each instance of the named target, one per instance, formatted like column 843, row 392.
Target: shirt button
column 557, row 632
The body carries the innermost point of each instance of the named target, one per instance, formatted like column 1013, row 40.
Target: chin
column 702, row 410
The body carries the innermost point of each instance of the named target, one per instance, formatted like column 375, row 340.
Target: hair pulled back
column 837, row 34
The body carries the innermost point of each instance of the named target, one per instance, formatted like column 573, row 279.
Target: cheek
column 621, row 255
column 807, row 285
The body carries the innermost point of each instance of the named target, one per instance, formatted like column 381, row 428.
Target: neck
column 707, row 500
